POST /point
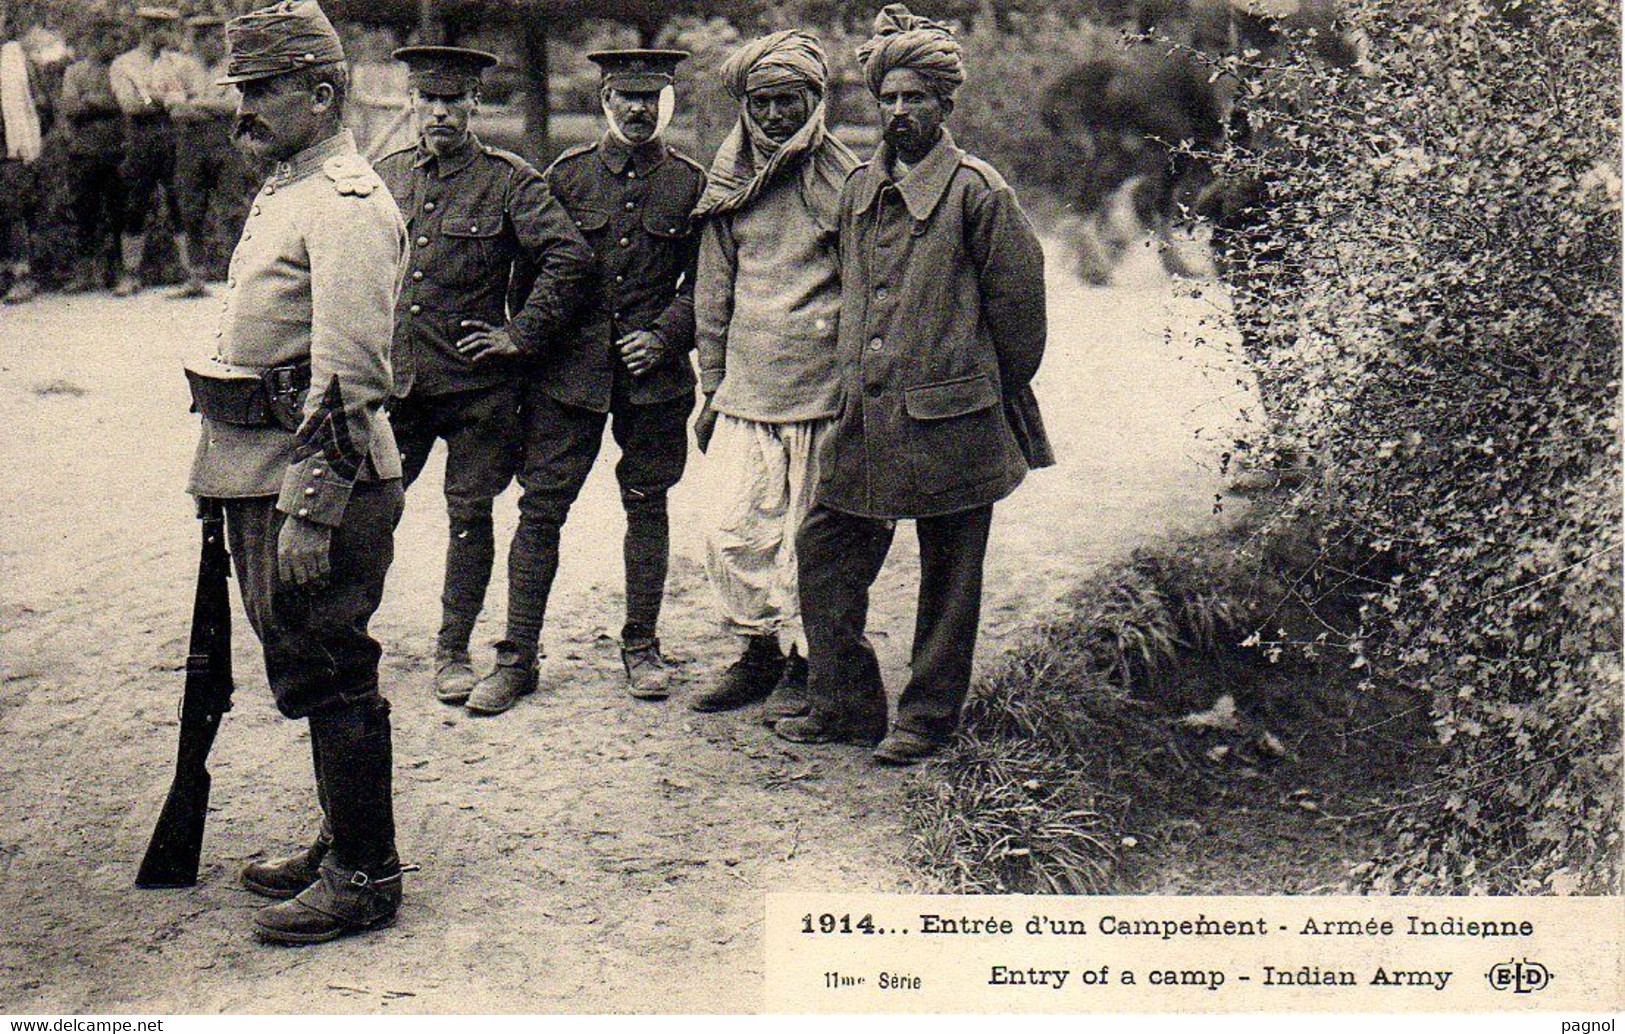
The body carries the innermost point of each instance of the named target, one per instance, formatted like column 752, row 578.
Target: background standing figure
column 96, row 146
column 21, row 141
column 485, row 232
column 767, row 305
column 626, row 365
column 311, row 479
column 207, row 166
column 942, row 329
column 150, row 80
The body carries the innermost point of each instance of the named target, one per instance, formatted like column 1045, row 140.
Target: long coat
column 942, row 329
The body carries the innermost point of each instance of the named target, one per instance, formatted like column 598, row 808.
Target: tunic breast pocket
column 473, row 236
column 955, row 430
column 590, row 221
column 665, row 222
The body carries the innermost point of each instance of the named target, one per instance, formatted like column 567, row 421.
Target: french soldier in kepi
column 311, row 479
column 627, row 364
column 485, row 231
column 942, row 329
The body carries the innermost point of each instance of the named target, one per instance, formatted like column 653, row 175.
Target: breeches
column 318, row 654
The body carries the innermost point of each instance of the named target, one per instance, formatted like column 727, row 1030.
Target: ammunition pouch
column 249, row 396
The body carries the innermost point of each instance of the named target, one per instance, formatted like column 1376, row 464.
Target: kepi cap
column 279, row 39
column 444, row 69
column 638, row 70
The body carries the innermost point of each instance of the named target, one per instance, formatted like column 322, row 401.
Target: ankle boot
column 789, row 698
column 342, row 901
column 283, row 878
column 747, row 680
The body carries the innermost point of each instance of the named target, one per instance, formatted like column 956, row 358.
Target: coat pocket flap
column 666, row 224
column 472, row 223
column 589, row 218
column 950, row 398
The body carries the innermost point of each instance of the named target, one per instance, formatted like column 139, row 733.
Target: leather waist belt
column 249, row 396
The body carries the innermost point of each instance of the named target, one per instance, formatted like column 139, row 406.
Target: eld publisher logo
column 1519, row 977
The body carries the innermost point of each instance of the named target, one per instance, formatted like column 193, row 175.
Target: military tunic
column 942, row 328
column 313, row 278
column 488, row 243
column 632, row 205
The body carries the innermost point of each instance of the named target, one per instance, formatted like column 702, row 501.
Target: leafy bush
column 1428, row 284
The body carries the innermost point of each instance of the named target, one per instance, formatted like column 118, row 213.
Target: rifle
column 177, row 841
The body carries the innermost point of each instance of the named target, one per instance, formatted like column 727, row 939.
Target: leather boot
column 194, row 286
column 789, row 698
column 342, row 901
column 856, row 715
column 514, row 676
column 453, row 675
column 283, row 878
column 132, row 251
column 647, row 677
column 746, row 680
column 358, row 885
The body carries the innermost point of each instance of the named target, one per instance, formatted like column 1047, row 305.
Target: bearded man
column 767, row 305
column 942, row 329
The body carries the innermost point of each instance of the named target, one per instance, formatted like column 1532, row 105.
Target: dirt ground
column 584, row 852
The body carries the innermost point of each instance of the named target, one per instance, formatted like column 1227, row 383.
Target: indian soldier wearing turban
column 767, row 304
column 942, row 329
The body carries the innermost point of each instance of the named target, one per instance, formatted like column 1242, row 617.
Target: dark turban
column 903, row 39
column 788, row 58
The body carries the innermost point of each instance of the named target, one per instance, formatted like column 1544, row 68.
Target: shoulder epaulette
column 515, row 160
column 686, row 160
column 572, row 153
column 351, row 175
column 988, row 173
column 409, row 148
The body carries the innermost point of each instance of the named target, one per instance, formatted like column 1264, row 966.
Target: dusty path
column 583, row 852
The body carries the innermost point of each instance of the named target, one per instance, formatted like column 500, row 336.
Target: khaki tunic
column 315, row 275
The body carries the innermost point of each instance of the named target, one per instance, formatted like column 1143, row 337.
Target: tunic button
column 256, row 209
column 316, row 472
column 473, row 227
column 417, row 274
column 875, row 344
column 630, row 205
column 881, row 293
column 310, row 491
column 416, row 310
column 303, row 512
column 428, row 206
column 631, row 174
column 620, row 279
column 423, row 242
column 614, row 315
column 626, row 242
